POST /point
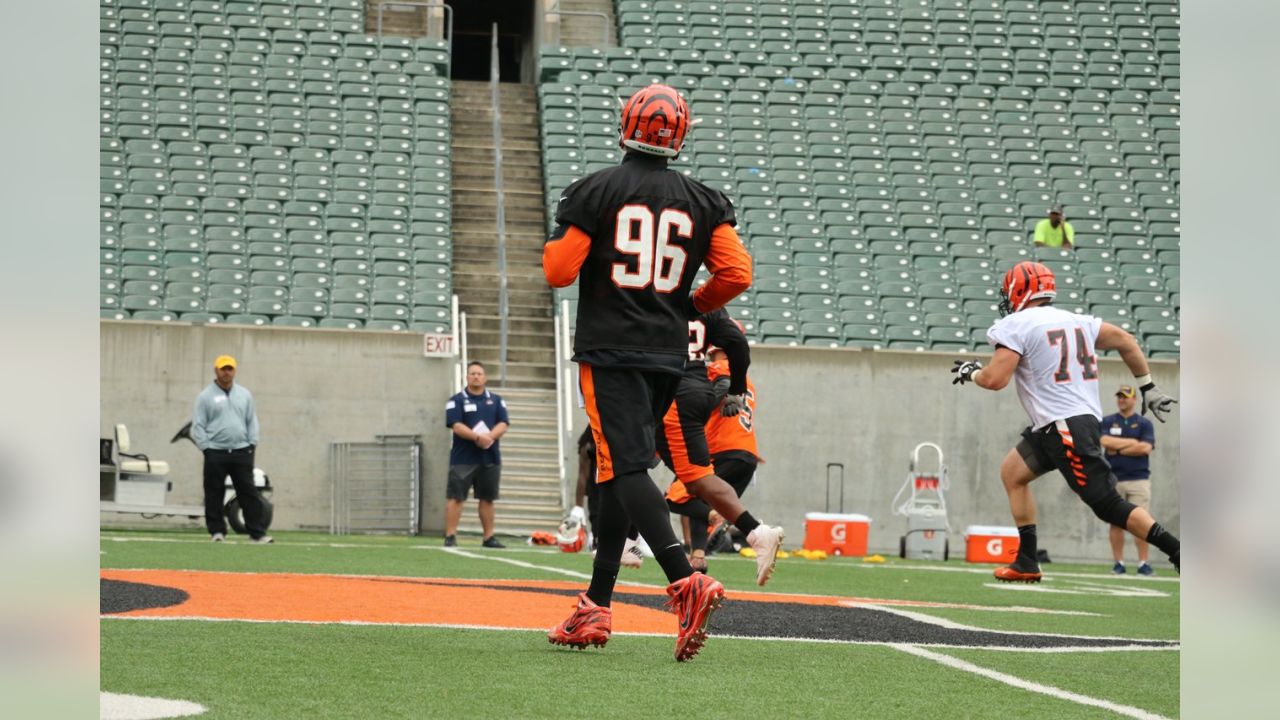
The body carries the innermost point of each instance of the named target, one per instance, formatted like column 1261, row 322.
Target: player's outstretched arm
column 993, row 376
column 730, row 266
column 1111, row 337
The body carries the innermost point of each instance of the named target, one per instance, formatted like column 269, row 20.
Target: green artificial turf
column 284, row 670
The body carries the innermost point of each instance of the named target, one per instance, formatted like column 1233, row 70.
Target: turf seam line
column 1028, row 685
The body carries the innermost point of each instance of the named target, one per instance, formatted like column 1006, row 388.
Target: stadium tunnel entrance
column 472, row 38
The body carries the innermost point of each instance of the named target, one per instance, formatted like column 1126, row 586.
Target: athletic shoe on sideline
column 264, row 540
column 451, row 541
column 589, row 624
column 1145, row 569
column 1118, row 568
column 1176, row 559
column 632, row 557
column 766, row 541
column 218, row 537
column 1022, row 570
column 693, row 600
column 492, row 542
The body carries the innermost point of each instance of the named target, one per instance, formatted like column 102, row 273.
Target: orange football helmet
column 655, row 121
column 1025, row 282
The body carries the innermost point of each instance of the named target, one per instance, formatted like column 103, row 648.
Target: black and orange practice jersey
column 634, row 236
column 738, row 433
column 717, row 329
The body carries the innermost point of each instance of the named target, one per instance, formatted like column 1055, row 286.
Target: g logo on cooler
column 995, row 546
column 838, row 533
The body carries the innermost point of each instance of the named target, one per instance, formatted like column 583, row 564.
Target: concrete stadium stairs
column 530, row 495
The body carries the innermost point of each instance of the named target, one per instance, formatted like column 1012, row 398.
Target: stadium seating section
column 889, row 159
column 270, row 163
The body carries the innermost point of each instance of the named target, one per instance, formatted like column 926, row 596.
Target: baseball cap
column 1055, row 209
column 223, row 361
column 1126, row 391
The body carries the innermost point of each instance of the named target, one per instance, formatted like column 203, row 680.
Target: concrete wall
column 866, row 410
column 312, row 387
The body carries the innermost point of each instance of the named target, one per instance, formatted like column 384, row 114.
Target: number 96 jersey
column 650, row 229
column 1058, row 374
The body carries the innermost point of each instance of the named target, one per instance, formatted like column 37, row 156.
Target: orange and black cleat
column 1019, row 571
column 589, row 624
column 693, row 600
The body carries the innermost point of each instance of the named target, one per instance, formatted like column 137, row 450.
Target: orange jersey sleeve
column 730, row 266
column 562, row 257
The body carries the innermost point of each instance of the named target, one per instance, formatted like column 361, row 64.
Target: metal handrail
column 563, row 357
column 501, row 215
column 459, row 371
column 429, row 5
column 560, row 430
column 462, row 347
column 605, row 39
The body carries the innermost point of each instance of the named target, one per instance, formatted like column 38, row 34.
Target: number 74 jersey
column 1057, row 375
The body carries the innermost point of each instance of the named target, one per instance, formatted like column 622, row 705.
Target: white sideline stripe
column 769, row 638
column 544, row 568
column 958, row 664
column 1109, row 577
column 341, row 545
column 118, row 706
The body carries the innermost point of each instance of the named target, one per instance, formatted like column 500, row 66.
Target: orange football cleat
column 1029, row 573
column 693, row 599
column 589, row 624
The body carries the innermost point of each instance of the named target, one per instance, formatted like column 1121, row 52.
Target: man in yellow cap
column 224, row 426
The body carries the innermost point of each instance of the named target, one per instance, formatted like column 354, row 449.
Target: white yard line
column 115, row 706
column 1024, row 609
column 953, row 625
column 958, row 664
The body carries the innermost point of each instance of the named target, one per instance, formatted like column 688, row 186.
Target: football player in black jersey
column 683, row 440
column 634, row 236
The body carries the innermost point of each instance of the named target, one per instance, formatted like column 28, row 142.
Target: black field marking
column 117, row 596
column 842, row 624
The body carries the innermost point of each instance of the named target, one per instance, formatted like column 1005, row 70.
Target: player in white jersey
column 1052, row 355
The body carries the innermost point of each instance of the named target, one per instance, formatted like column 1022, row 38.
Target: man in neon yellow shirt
column 1055, row 232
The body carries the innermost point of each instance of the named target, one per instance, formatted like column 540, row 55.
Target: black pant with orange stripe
column 625, row 407
column 1074, row 447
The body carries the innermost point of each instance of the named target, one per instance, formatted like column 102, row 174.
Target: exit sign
column 437, row 345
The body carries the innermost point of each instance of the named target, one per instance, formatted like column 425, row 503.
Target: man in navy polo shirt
column 1127, row 439
column 477, row 418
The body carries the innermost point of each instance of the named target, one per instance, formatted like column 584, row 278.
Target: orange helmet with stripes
column 1025, row 282
column 655, row 121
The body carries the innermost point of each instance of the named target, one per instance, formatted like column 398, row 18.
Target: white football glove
column 1157, row 402
column 964, row 370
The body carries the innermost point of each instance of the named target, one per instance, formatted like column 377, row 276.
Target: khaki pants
column 1137, row 492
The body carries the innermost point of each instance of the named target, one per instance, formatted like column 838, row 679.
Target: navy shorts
column 483, row 477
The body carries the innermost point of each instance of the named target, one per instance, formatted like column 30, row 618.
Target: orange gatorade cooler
column 990, row 544
column 836, row 533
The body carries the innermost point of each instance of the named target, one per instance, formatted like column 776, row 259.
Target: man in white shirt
column 1052, row 354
